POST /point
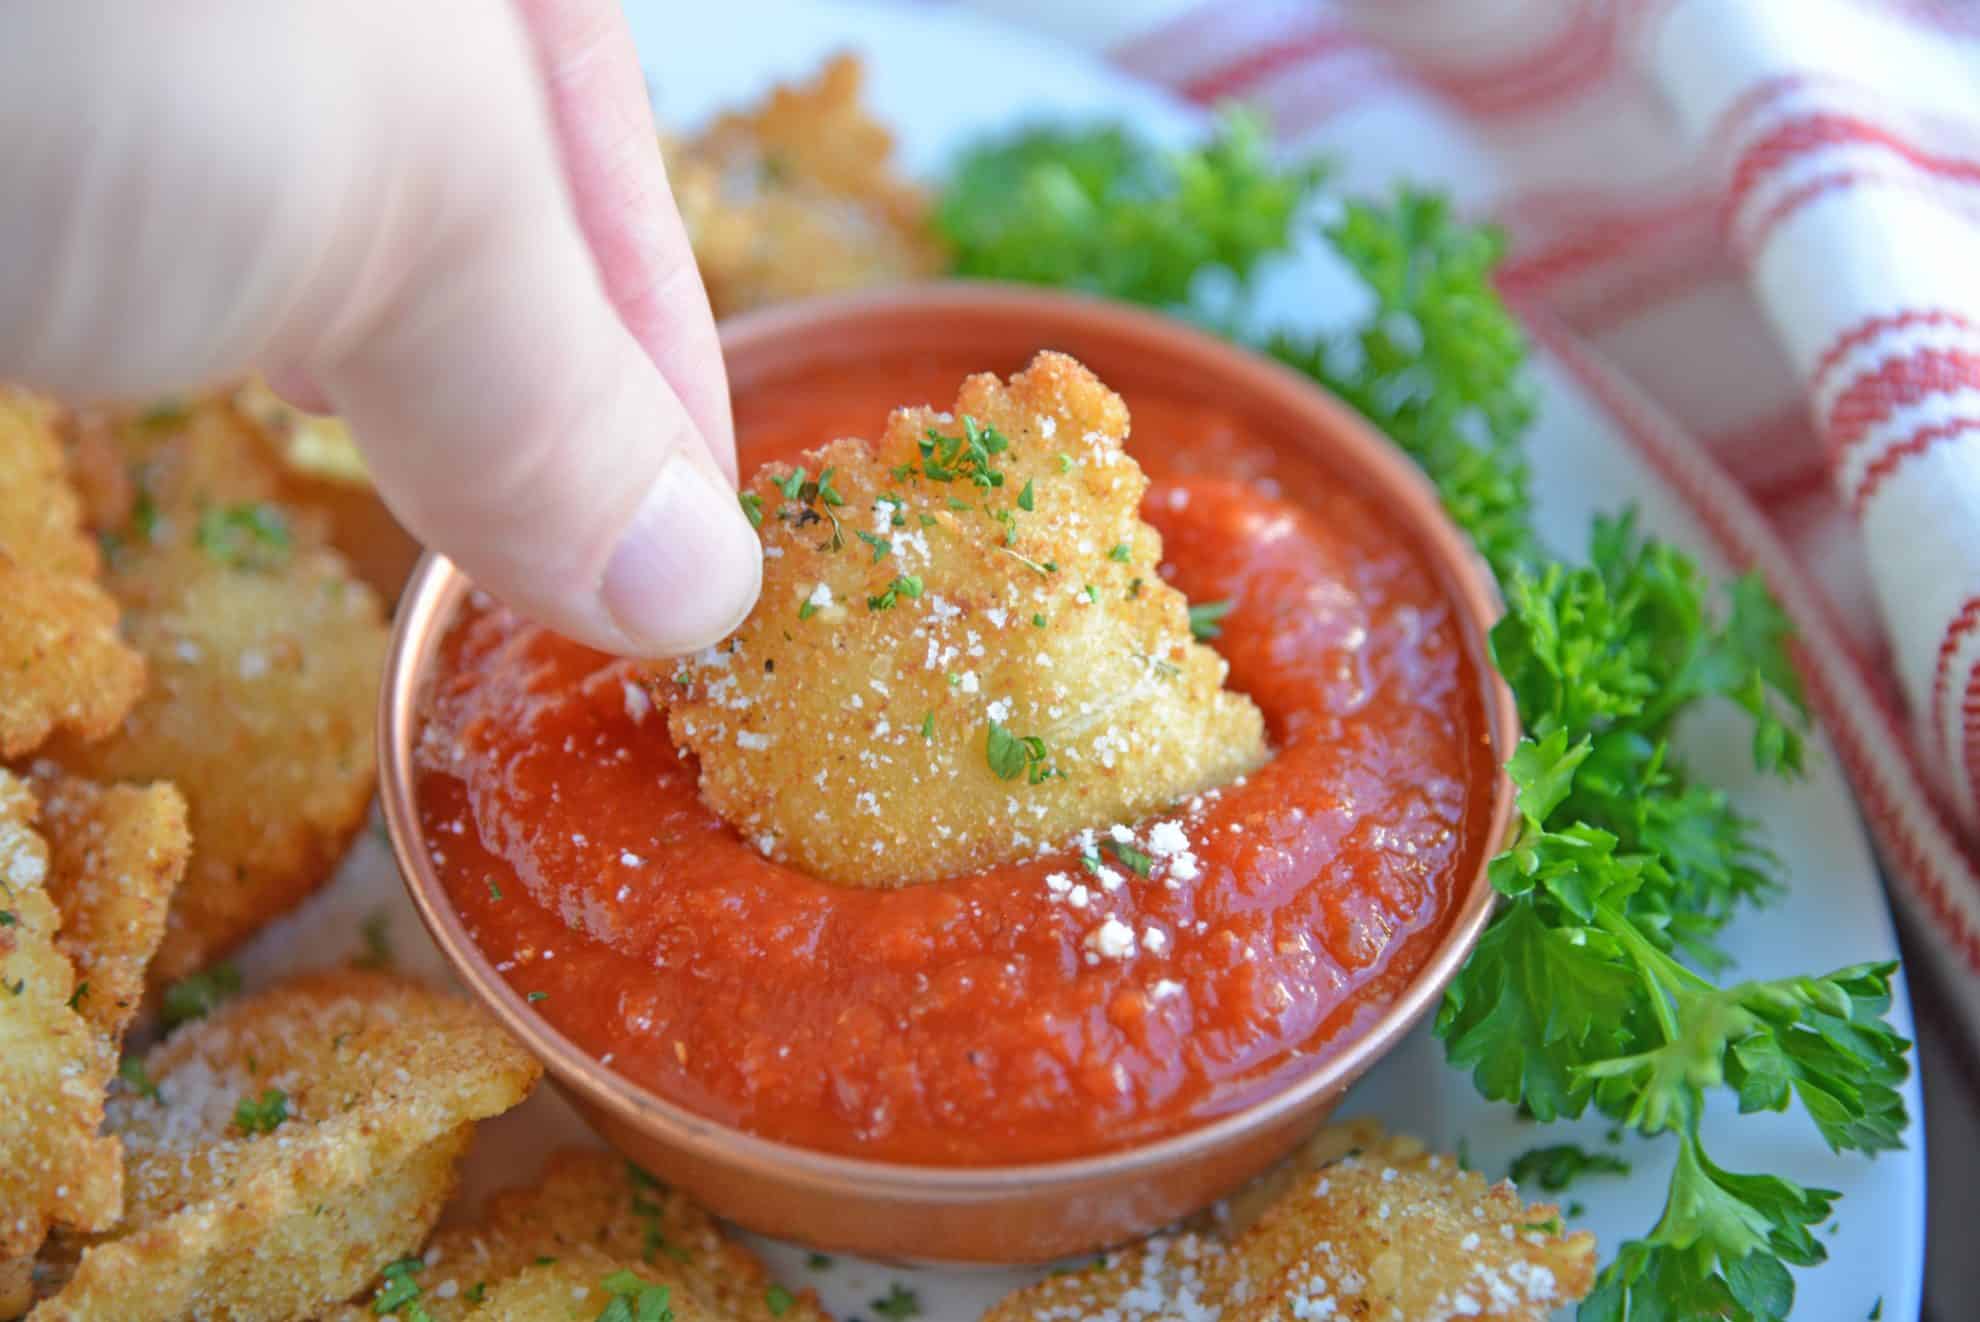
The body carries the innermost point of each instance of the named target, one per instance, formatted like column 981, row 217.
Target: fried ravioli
column 116, row 853
column 798, row 196
column 54, row 1166
column 963, row 652
column 589, row 1202
column 1359, row 1226
column 280, row 1152
column 66, row 667
column 264, row 654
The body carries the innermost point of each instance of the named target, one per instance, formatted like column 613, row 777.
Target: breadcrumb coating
column 65, row 666
column 591, row 1208
column 963, row 653
column 54, row 1166
column 1359, row 1227
column 799, row 196
column 280, row 1152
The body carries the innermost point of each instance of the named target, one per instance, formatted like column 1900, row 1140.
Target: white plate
column 940, row 78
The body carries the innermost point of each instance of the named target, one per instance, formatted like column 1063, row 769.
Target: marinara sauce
column 964, row 1021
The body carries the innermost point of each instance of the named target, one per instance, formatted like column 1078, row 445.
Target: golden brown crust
column 849, row 732
column 380, row 1081
column 1362, row 1228
column 116, row 853
column 54, row 1166
column 591, row 1205
column 264, row 655
column 66, row 667
column 799, row 196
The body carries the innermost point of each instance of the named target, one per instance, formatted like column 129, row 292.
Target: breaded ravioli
column 799, row 196
column 1360, row 1226
column 280, row 1152
column 264, row 654
column 65, row 666
column 54, row 1068
column 963, row 653
column 116, row 853
column 590, row 1202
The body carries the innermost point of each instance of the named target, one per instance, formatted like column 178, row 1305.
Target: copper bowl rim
column 436, row 587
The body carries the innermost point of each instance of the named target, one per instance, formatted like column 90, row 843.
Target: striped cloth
column 1766, row 215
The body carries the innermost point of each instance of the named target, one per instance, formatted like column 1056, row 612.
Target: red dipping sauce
column 963, row 1021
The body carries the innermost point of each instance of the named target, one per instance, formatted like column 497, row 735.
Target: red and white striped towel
column 1766, row 214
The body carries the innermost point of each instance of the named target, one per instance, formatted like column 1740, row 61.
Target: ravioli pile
column 186, row 705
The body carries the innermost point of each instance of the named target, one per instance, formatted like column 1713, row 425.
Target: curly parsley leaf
column 1437, row 364
column 1559, row 1165
column 1584, row 990
column 1098, row 209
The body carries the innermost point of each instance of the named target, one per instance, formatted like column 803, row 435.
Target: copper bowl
column 1005, row 1214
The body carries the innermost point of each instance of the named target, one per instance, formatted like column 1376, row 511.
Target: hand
column 445, row 220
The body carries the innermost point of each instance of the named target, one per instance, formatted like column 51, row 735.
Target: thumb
column 512, row 421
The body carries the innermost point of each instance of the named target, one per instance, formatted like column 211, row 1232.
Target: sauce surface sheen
column 969, row 1020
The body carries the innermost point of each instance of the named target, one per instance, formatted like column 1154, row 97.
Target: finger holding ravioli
column 963, row 652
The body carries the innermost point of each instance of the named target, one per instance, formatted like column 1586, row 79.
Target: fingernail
column 687, row 568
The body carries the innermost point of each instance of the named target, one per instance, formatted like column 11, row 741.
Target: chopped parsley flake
column 1203, row 619
column 826, row 492
column 966, row 457
column 377, row 933
column 1555, row 1168
column 907, row 585
column 1011, row 756
column 494, row 891
column 634, row 1299
column 928, row 726
column 252, row 535
column 76, row 996
column 262, row 1115
column 819, row 1262
column 398, row 1293
column 1120, row 553
column 536, row 996
column 1129, row 857
column 1065, row 463
column 132, row 1071
column 778, row 1300
column 791, row 484
column 807, row 608
column 881, row 546
column 899, row 1304
column 752, row 508
column 195, row 997
column 1038, row 621
column 1026, row 499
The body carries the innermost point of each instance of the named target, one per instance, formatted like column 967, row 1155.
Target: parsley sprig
column 1596, row 983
